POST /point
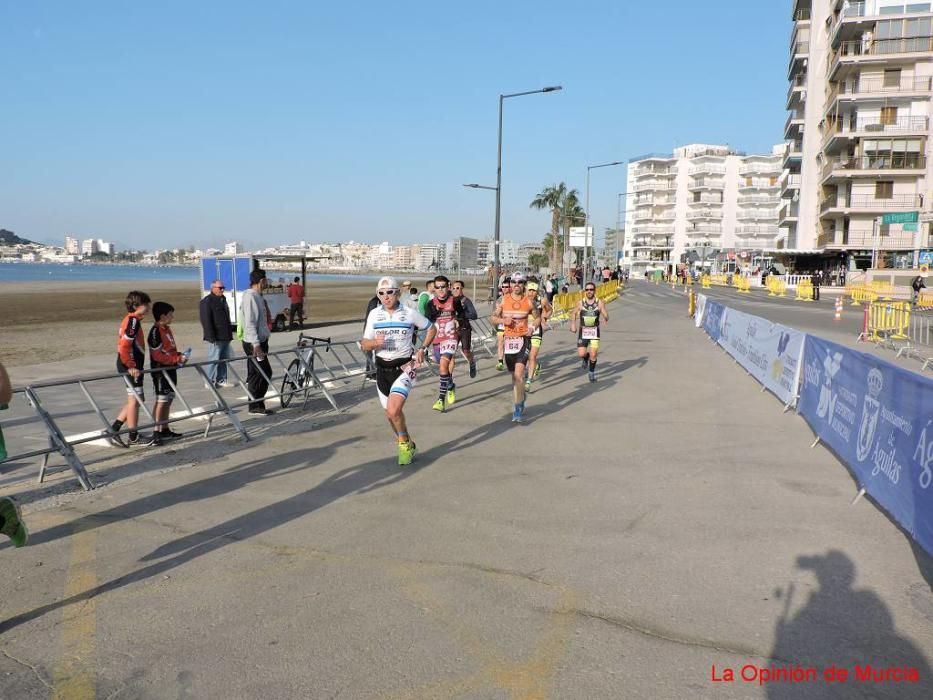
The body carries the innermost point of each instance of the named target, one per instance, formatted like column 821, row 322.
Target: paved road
column 631, row 536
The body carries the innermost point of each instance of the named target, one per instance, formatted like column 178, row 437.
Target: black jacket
column 215, row 319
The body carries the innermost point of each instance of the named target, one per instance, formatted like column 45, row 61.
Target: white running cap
column 387, row 283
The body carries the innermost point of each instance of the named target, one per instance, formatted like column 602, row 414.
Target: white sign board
column 581, row 236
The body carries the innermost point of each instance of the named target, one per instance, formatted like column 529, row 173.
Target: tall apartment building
column 700, row 199
column 89, row 247
column 72, row 245
column 858, row 130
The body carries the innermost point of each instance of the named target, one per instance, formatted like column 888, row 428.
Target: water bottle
column 187, row 354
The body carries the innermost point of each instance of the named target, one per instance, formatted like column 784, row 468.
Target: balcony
column 703, row 214
column 756, row 215
column 856, row 53
column 870, row 204
column 794, row 152
column 876, row 89
column 750, row 185
column 654, row 172
column 656, row 186
column 760, row 199
column 867, row 240
column 653, row 230
column 708, row 183
column 790, row 210
column 798, row 55
column 873, row 166
column 760, row 167
column 802, row 15
column 793, row 123
column 791, row 182
column 753, row 230
column 705, row 230
column 874, row 126
column 707, row 168
column 798, row 84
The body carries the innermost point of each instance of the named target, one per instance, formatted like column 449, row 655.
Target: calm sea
column 83, row 272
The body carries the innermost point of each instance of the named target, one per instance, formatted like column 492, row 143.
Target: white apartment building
column 858, row 130
column 234, row 248
column 89, row 247
column 700, row 199
column 431, row 257
column 72, row 246
column 105, row 246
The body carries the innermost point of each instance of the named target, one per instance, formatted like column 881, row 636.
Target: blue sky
column 169, row 123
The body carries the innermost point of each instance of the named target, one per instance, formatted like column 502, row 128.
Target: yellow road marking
column 75, row 676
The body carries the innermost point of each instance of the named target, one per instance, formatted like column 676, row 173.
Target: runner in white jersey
column 389, row 332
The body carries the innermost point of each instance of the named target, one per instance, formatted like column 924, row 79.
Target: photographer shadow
column 840, row 626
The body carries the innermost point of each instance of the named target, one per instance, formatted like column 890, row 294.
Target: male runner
column 444, row 311
column 389, row 332
column 504, row 289
column 588, row 311
column 466, row 330
column 543, row 308
column 518, row 316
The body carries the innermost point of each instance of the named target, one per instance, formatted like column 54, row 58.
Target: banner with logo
column 771, row 353
column 712, row 318
column 700, row 309
column 879, row 419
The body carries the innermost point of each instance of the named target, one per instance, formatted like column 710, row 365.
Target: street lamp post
column 619, row 223
column 498, row 188
column 586, row 220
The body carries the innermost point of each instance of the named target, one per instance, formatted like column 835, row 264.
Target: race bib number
column 590, row 333
column 514, row 345
column 448, row 347
column 410, row 372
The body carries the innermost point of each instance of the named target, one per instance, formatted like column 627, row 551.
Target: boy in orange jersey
column 131, row 358
column 163, row 355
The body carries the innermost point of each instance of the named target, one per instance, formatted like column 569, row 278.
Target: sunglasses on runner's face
column 440, row 286
column 387, row 292
column 591, row 289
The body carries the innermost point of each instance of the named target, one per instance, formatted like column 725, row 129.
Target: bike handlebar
column 302, row 340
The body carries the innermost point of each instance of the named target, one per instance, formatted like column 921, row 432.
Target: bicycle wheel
column 289, row 385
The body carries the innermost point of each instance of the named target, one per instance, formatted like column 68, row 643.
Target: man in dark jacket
column 816, row 279
column 218, row 332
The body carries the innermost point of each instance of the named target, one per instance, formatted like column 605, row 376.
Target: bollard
column 838, row 316
column 691, row 304
column 864, row 334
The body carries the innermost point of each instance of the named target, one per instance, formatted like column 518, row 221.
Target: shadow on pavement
column 841, row 626
column 360, row 479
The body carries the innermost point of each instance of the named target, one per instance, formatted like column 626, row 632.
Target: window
column 884, row 230
column 696, row 196
column 892, row 78
column 889, row 115
column 884, row 189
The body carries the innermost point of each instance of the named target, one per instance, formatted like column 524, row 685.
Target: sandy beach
column 51, row 322
column 42, row 322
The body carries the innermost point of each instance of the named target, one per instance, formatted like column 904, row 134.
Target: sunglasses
column 219, row 286
column 387, row 292
column 440, row 286
column 591, row 289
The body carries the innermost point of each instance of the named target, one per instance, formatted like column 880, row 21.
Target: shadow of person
column 843, row 627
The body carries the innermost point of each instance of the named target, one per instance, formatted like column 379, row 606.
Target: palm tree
column 552, row 198
column 572, row 214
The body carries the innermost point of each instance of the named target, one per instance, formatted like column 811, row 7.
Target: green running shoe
column 406, row 453
column 500, row 365
column 438, row 405
column 451, row 396
column 11, row 522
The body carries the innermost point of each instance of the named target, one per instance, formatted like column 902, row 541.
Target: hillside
column 10, row 238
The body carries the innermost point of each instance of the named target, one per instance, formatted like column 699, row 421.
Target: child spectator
column 163, row 355
column 131, row 358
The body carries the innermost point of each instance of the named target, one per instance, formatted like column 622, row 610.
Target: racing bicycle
column 298, row 375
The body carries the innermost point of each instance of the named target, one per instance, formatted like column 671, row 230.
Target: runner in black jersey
column 587, row 315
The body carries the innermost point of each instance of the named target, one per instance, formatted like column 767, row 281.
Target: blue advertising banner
column 712, row 318
column 879, row 419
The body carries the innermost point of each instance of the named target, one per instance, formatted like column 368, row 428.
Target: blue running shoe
column 472, row 370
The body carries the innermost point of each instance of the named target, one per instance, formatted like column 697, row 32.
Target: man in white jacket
column 256, row 322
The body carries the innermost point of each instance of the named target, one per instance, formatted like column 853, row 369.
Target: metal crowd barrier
column 61, row 408
column 887, row 321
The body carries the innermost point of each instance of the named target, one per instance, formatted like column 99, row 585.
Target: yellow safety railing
column 883, row 289
column 565, row 303
column 860, row 293
column 706, row 281
column 776, row 287
column 925, row 300
column 804, row 290
column 741, row 283
column 719, row 280
column 888, row 320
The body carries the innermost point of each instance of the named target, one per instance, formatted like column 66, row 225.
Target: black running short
column 520, row 357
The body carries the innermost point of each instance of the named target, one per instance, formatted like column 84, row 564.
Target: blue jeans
column 218, row 351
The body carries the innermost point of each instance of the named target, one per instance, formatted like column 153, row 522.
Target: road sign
column 926, row 257
column 581, row 237
column 901, row 217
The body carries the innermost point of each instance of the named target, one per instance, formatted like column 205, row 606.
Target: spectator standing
column 164, row 356
column 550, row 288
column 131, row 360
column 915, row 288
column 296, row 298
column 218, row 333
column 816, row 279
column 256, row 322
column 11, row 522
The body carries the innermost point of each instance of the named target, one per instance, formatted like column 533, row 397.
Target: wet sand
column 49, row 322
